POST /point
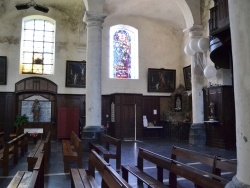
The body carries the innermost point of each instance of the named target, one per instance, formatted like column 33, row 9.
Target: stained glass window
column 123, row 52
column 38, row 45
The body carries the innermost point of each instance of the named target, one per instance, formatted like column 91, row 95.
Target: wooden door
column 128, row 127
column 68, row 120
column 62, row 128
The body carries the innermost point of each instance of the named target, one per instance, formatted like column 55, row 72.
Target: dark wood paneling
column 219, row 17
column 106, row 109
column 220, row 134
column 36, row 84
column 124, row 125
column 7, row 109
column 151, row 103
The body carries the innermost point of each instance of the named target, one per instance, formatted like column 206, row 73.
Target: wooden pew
column 106, row 150
column 113, row 179
column 9, row 151
column 36, row 151
column 142, row 176
column 41, row 146
column 23, row 143
column 72, row 151
column 34, row 179
column 214, row 163
column 1, row 140
column 47, row 149
column 199, row 177
column 86, row 178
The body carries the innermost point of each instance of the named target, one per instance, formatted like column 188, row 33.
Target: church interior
column 155, row 80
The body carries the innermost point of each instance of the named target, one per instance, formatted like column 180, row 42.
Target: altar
column 153, row 131
column 31, row 131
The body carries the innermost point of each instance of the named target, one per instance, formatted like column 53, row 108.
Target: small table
column 153, row 131
column 33, row 130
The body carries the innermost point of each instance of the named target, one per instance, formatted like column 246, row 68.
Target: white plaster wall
column 70, row 45
column 160, row 46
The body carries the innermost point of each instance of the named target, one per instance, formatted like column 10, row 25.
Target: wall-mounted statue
column 178, row 103
column 36, row 110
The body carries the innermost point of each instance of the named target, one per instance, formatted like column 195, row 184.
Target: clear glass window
column 38, row 45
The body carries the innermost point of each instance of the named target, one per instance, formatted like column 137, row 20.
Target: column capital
column 195, row 31
column 92, row 18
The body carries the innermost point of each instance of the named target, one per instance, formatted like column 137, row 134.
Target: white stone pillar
column 93, row 108
column 240, row 27
column 197, row 134
column 197, row 94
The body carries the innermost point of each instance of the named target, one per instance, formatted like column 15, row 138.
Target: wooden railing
column 219, row 17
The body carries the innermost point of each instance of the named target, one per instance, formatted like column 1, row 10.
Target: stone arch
column 94, row 5
column 186, row 11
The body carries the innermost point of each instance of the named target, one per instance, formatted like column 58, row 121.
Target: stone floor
column 56, row 178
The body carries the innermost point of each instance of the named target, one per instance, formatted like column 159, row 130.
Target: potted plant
column 20, row 121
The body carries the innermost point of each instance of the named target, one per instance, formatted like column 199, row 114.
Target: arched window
column 123, row 52
column 37, row 45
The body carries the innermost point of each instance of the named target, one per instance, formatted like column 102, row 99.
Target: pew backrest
column 96, row 162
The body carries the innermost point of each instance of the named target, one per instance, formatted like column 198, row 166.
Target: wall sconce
column 155, row 112
column 196, row 46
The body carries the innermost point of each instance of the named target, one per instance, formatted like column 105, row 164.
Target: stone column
column 240, row 27
column 93, row 107
column 197, row 134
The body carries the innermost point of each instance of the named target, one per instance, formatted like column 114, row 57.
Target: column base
column 235, row 183
column 197, row 135
column 91, row 134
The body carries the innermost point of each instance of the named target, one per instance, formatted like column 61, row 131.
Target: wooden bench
column 113, row 179
column 34, row 179
column 213, row 163
column 23, row 143
column 86, row 178
column 143, row 177
column 9, row 151
column 106, row 150
column 199, row 177
column 47, row 149
column 33, row 156
column 72, row 151
column 41, row 146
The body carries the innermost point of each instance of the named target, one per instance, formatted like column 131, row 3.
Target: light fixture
column 197, row 48
column 32, row 3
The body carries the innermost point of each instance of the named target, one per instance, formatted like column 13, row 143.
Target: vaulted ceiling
column 166, row 11
column 163, row 10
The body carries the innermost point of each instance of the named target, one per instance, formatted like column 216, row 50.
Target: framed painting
column 187, row 77
column 3, row 70
column 76, row 74
column 161, row 80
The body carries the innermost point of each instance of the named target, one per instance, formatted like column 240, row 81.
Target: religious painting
column 3, row 70
column 187, row 77
column 76, row 74
column 161, row 80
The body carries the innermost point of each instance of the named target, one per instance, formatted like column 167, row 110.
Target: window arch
column 37, row 45
column 123, row 61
